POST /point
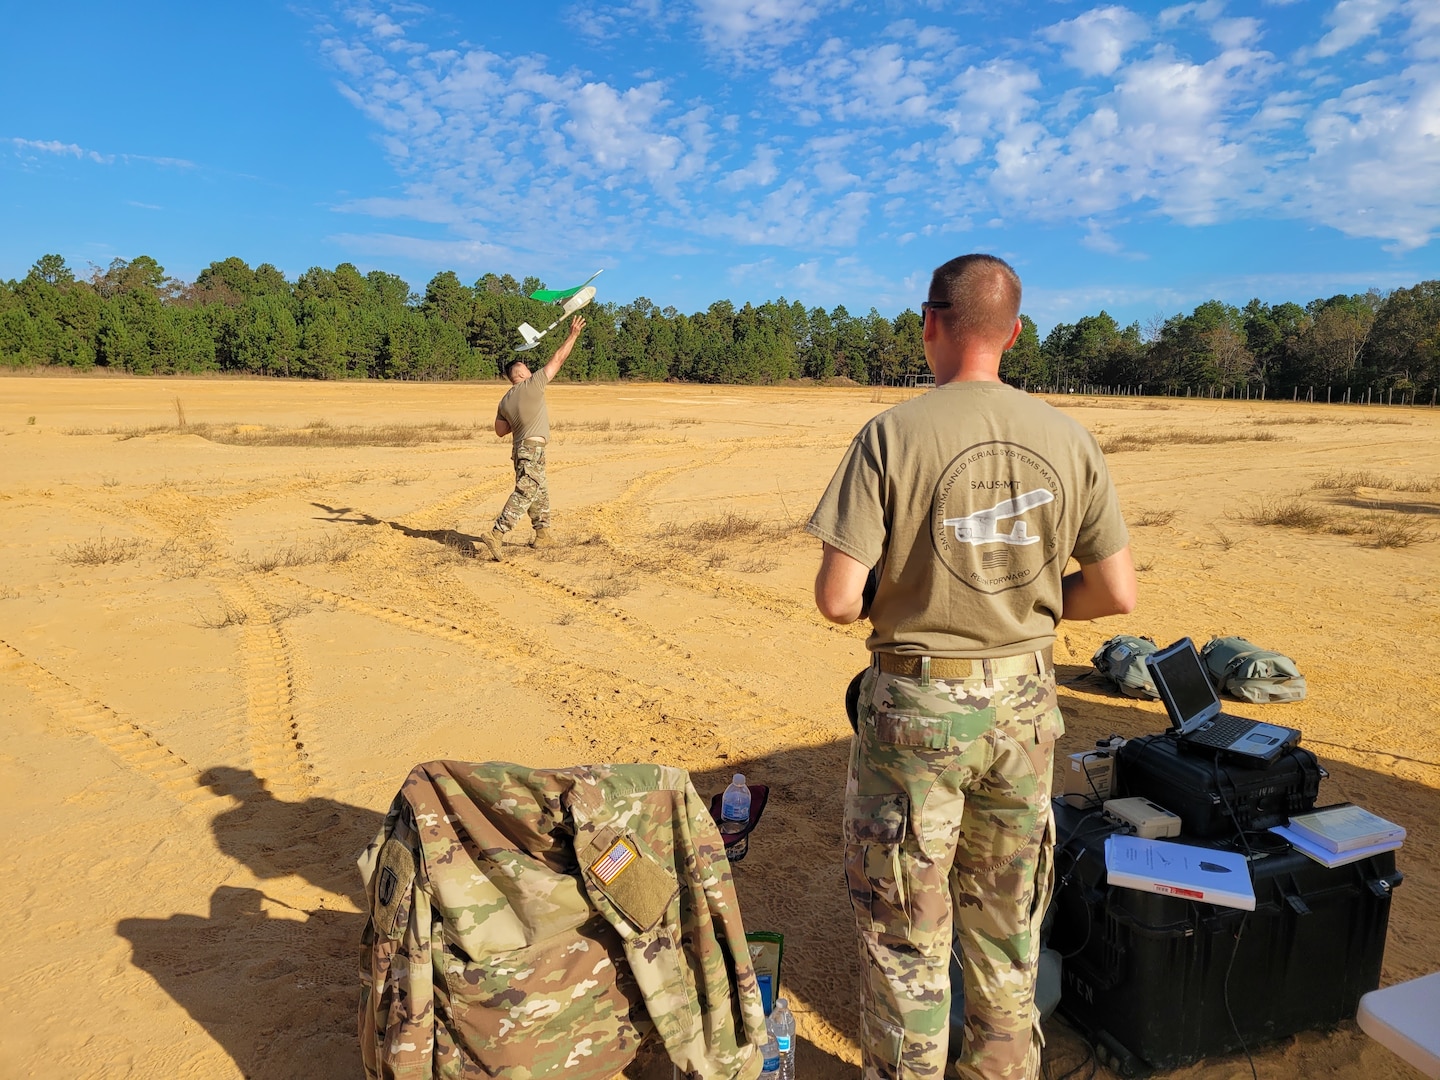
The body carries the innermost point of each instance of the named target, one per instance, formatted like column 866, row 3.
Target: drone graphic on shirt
column 979, row 527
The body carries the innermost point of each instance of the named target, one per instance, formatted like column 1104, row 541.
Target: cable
column 1226, row 995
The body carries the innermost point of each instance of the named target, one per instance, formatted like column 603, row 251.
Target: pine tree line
column 335, row 324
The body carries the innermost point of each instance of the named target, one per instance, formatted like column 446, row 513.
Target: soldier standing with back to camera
column 523, row 416
column 969, row 501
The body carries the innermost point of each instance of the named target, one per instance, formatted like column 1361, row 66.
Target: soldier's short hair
column 983, row 292
column 510, row 364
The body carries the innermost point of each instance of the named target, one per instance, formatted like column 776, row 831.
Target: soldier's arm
column 563, row 352
column 1107, row 587
column 502, row 426
column 840, row 586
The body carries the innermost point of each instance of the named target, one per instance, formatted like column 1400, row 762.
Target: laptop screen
column 1183, row 685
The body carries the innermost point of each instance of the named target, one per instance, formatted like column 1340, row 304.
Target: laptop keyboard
column 1222, row 731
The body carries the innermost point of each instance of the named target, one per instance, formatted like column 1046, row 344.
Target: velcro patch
column 394, row 875
column 614, row 862
column 630, row 877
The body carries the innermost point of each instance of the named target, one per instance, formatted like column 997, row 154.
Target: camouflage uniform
column 948, row 801
column 531, row 493
column 527, row 923
column 950, row 782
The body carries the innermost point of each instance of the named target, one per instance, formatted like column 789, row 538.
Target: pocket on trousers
column 915, row 730
column 876, row 819
column 1044, row 877
column 882, row 1042
column 874, row 831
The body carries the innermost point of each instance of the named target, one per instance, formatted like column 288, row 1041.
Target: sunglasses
column 933, row 305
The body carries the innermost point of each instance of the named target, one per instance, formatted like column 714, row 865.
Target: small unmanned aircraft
column 979, row 527
column 569, row 301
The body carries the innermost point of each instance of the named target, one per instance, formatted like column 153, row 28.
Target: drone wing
column 559, row 296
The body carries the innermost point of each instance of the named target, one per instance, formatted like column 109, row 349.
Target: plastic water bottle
column 735, row 806
column 782, row 1029
column 770, row 1057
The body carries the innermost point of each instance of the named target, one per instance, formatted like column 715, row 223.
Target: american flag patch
column 608, row 867
column 991, row 559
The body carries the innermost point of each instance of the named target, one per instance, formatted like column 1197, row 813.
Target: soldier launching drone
column 523, row 416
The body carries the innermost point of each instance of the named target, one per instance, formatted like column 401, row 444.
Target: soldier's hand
column 576, row 325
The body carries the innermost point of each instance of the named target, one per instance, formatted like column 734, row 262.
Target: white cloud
column 1097, row 41
column 761, row 172
column 1237, row 33
column 56, row 147
column 753, row 28
column 472, row 253
column 1201, row 126
column 1375, row 154
column 508, row 148
column 1353, row 21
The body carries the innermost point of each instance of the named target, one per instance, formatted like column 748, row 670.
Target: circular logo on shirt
column 995, row 515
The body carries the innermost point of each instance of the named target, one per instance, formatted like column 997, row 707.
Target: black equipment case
column 1196, row 786
column 1147, row 977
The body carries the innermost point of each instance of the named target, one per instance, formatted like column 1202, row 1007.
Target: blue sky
column 1137, row 158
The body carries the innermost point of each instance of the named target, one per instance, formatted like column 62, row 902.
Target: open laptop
column 1194, row 710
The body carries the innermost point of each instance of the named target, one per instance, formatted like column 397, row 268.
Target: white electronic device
column 1149, row 820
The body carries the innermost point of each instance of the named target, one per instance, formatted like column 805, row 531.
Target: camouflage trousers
column 948, row 832
column 531, row 493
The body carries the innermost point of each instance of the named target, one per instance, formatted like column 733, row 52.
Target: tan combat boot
column 542, row 537
column 492, row 541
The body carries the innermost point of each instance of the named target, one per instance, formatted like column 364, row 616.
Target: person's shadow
column 279, row 992
column 463, row 543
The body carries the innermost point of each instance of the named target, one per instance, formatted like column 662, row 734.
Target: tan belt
column 534, row 438
column 993, row 667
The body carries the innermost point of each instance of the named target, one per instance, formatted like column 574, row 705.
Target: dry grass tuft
column 333, row 548
column 229, row 615
column 1292, row 513
column 681, row 421
column 605, row 425
column 1153, row 517
column 1333, row 421
column 757, row 566
column 1224, row 539
column 727, row 527
column 323, row 433
column 1151, row 437
column 608, row 585
column 185, row 560
column 1143, row 566
column 110, row 482
column 1351, row 480
column 1376, row 529
column 1399, row 533
column 316, row 433
column 100, row 550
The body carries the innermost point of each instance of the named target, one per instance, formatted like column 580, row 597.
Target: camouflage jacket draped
column 531, row 923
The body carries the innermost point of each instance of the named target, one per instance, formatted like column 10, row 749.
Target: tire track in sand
column 605, row 709
column 135, row 748
column 609, row 520
column 272, row 730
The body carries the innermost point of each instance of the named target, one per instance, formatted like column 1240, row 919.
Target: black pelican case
column 1146, row 978
column 1196, row 786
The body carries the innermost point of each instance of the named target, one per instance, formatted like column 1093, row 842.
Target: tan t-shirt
column 523, row 408
column 971, row 498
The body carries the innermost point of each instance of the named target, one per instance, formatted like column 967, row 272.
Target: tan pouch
column 632, row 879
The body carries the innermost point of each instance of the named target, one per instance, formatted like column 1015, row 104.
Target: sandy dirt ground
column 218, row 661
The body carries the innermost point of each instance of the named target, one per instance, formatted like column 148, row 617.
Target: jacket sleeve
column 397, row 1002
column 674, row 907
